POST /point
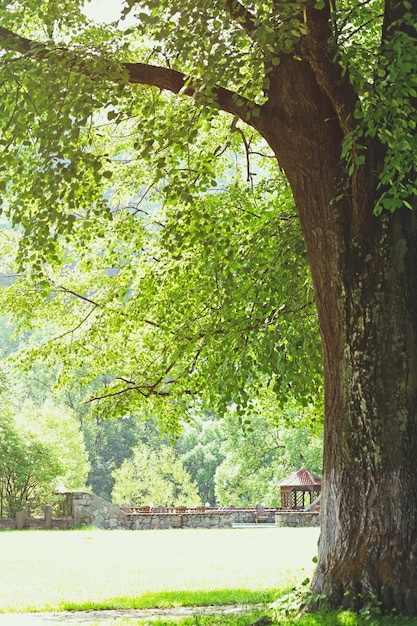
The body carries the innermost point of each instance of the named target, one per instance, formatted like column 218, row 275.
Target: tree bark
column 363, row 270
column 368, row 543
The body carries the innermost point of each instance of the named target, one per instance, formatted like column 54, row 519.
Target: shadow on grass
column 346, row 618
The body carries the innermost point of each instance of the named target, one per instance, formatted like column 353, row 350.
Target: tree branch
column 136, row 73
column 240, row 14
column 176, row 82
column 15, row 43
column 321, row 53
column 73, row 330
column 75, row 294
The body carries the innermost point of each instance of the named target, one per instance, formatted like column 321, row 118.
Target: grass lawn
column 52, row 570
column 87, row 569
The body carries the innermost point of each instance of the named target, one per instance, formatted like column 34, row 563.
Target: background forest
column 52, row 440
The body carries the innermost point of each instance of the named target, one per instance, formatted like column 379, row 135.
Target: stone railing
column 86, row 509
column 297, row 518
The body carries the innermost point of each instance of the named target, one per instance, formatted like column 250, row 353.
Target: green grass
column 92, row 569
column 44, row 570
column 343, row 618
column 169, row 599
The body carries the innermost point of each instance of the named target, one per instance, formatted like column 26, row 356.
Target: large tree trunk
column 365, row 280
column 368, row 544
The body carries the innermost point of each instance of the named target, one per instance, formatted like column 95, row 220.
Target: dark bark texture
column 365, row 279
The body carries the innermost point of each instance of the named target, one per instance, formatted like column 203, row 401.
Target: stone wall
column 297, row 518
column 181, row 520
column 247, row 516
column 86, row 509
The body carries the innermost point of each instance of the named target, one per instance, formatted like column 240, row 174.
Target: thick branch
column 15, row 43
column 136, row 73
column 393, row 14
column 174, row 81
column 241, row 15
column 321, row 53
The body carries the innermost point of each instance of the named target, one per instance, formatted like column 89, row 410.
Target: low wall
column 86, row 509
column 297, row 518
column 247, row 516
column 56, row 524
column 180, row 520
column 7, row 523
column 22, row 520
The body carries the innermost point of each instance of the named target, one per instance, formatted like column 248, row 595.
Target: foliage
column 57, row 428
column 181, row 290
column 153, row 477
column 28, row 469
column 109, row 443
column 172, row 315
column 41, row 448
column 387, row 112
column 201, row 449
column 264, row 453
column 202, row 445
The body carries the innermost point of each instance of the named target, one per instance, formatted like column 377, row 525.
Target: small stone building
column 299, row 491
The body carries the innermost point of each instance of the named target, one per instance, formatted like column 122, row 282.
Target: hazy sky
column 103, row 10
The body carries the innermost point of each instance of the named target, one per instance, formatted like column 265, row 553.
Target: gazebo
column 299, row 490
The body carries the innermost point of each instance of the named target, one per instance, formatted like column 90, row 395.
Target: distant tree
column 56, row 427
column 270, row 447
column 29, row 468
column 201, row 449
column 245, row 476
column 151, row 477
column 302, row 449
column 109, row 442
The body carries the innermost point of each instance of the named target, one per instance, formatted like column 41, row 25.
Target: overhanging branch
column 15, row 43
column 177, row 82
column 135, row 73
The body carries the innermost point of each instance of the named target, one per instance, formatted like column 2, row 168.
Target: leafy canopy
column 177, row 299
column 222, row 53
column 135, row 224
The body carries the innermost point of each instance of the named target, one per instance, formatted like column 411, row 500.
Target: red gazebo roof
column 301, row 478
